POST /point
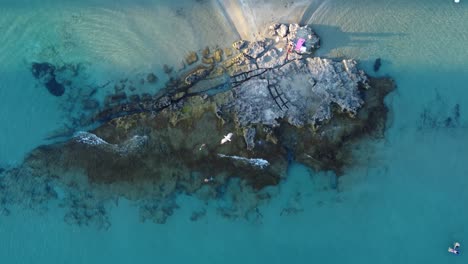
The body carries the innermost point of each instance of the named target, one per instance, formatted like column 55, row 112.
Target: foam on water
column 403, row 203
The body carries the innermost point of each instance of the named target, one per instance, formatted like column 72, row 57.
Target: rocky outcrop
column 301, row 91
column 230, row 128
column 45, row 73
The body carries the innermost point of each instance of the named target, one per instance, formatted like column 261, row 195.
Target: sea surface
column 403, row 202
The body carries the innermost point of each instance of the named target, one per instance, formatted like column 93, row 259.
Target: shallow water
column 402, row 203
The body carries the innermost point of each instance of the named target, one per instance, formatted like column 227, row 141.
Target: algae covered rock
column 191, row 58
column 45, row 73
column 151, row 78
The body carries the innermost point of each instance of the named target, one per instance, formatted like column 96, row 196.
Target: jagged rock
column 196, row 75
column 228, row 52
column 206, row 52
column 208, row 61
column 282, row 31
column 271, row 58
column 272, row 29
column 241, row 44
column 218, row 55
column 254, row 49
column 191, row 58
column 304, row 99
column 312, row 41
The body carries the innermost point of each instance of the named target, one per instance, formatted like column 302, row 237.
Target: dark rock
column 90, row 104
column 55, row 88
column 43, row 70
column 151, row 78
column 196, row 75
column 134, row 98
column 241, row 44
column 119, row 88
column 115, row 98
column 377, row 64
column 167, row 69
column 45, row 73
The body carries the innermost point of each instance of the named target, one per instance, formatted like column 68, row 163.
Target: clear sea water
column 404, row 202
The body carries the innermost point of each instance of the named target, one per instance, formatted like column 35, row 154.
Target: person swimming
column 455, row 249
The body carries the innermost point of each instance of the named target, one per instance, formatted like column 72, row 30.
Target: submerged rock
column 191, row 58
column 45, row 73
column 151, row 78
column 377, row 64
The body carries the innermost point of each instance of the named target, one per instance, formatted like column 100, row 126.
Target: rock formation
column 278, row 101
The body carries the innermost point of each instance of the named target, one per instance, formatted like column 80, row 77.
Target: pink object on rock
column 299, row 44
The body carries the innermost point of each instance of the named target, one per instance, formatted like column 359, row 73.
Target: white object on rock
column 277, row 39
column 254, row 162
column 227, row 138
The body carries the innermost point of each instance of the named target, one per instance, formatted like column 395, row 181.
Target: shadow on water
column 337, row 38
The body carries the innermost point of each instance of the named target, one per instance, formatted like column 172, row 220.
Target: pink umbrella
column 299, row 44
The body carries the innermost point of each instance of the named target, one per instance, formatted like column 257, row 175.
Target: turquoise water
column 402, row 203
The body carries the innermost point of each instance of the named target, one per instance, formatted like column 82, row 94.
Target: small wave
column 255, row 162
column 129, row 146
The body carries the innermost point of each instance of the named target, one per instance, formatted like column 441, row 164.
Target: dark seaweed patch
column 438, row 114
column 45, row 73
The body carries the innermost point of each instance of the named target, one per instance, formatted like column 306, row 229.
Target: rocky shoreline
column 229, row 125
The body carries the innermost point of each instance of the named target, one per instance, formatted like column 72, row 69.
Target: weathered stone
column 272, row 58
column 209, row 60
column 272, row 29
column 312, row 41
column 196, row 75
column 218, row 55
column 303, row 100
column 191, row 58
column 241, row 44
column 228, row 52
column 282, row 31
column 177, row 96
column 254, row 49
column 206, row 52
